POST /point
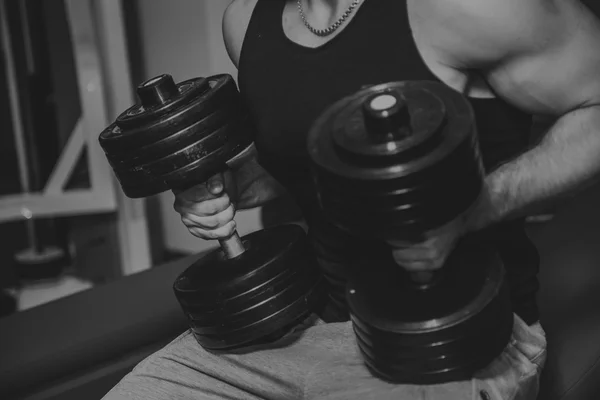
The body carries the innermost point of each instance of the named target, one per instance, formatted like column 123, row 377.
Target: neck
column 323, row 13
column 333, row 4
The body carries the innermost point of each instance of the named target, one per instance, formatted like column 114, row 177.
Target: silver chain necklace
column 332, row 28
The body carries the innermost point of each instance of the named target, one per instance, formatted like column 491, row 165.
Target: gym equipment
column 394, row 161
column 252, row 288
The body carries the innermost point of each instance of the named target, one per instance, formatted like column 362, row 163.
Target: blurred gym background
column 68, row 68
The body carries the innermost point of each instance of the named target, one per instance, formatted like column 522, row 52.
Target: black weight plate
column 356, row 185
column 269, row 252
column 196, row 172
column 202, row 309
column 458, row 373
column 403, row 351
column 140, row 114
column 447, row 173
column 356, row 144
column 141, row 175
column 441, row 178
column 433, row 209
column 404, row 195
column 497, row 311
column 438, row 371
column 202, row 147
column 466, row 356
column 178, row 140
column 201, row 170
column 296, row 311
column 223, row 93
column 367, row 208
column 463, row 158
column 231, row 308
column 459, row 124
column 260, row 309
column 473, row 275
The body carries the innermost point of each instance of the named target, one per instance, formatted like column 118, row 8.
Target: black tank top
column 286, row 86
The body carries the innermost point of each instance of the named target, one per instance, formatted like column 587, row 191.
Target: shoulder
column 235, row 23
column 473, row 33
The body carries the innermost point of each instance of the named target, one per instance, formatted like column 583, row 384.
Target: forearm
column 259, row 192
column 564, row 162
column 255, row 186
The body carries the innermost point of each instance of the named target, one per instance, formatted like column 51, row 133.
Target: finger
column 420, row 265
column 216, row 184
column 415, row 266
column 414, row 254
column 422, row 277
column 209, row 222
column 204, row 208
column 222, row 232
column 230, row 185
column 195, row 194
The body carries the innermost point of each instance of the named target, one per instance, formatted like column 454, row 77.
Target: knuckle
column 211, row 235
column 229, row 212
column 199, row 233
column 187, row 222
column 210, row 222
column 216, row 206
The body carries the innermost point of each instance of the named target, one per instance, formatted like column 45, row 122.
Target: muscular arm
column 544, row 57
column 255, row 186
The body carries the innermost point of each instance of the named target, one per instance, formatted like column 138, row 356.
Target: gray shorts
column 320, row 361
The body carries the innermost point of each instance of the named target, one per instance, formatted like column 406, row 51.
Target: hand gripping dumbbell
column 251, row 289
column 396, row 161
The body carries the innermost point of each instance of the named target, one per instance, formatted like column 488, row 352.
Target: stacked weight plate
column 445, row 333
column 179, row 135
column 393, row 162
column 252, row 289
column 235, row 305
column 409, row 182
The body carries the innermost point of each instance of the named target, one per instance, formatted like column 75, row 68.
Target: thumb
column 215, row 184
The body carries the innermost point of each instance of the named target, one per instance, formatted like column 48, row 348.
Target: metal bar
column 37, row 205
column 91, row 87
column 29, row 59
column 233, row 246
column 112, row 45
column 15, row 110
column 13, row 95
column 67, row 161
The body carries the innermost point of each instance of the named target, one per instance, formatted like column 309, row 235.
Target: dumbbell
column 250, row 289
column 393, row 162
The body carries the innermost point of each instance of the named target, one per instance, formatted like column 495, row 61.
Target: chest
column 415, row 16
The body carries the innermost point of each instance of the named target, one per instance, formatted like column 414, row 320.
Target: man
column 512, row 58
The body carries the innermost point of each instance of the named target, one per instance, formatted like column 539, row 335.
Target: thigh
column 511, row 376
column 515, row 374
column 184, row 370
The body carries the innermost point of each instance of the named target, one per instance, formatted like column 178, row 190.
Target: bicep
column 557, row 70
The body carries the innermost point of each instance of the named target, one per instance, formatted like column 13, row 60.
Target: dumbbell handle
column 232, row 246
column 422, row 277
column 424, row 280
